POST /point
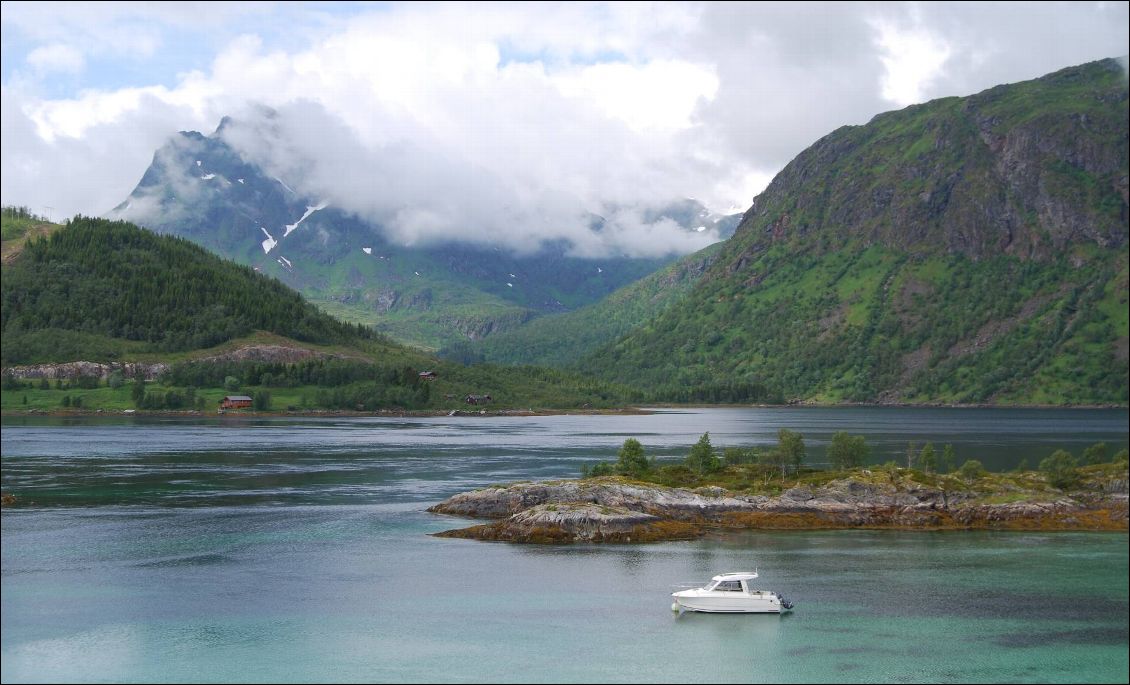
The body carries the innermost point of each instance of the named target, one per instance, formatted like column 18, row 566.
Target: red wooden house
column 235, row 402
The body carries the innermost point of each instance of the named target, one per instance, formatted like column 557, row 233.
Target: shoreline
column 315, row 413
column 619, row 510
column 429, row 413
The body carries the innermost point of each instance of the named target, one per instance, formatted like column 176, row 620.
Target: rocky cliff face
column 1025, row 169
column 83, row 369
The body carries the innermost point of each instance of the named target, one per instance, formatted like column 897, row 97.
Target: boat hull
column 741, row 604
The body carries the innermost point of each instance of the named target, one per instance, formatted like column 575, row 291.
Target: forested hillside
column 964, row 250
column 95, row 282
column 561, row 340
column 99, row 299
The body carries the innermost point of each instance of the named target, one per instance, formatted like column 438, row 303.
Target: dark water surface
column 288, row 550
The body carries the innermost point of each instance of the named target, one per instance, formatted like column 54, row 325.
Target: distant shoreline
column 315, row 413
column 430, row 413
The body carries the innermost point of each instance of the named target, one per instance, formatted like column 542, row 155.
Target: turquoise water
column 290, row 551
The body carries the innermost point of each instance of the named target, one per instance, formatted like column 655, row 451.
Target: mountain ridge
column 966, row 250
column 201, row 188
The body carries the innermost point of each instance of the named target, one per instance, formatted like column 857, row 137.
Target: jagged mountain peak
column 200, row 187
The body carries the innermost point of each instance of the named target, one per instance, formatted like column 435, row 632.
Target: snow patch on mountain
column 309, row 210
column 269, row 243
column 284, row 185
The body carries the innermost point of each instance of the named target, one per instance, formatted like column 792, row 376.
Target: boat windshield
column 725, row 586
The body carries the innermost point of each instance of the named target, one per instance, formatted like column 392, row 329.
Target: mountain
column 562, row 340
column 80, row 300
column 964, row 250
column 200, row 188
column 108, row 288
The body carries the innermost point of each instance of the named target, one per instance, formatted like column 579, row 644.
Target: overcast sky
column 498, row 122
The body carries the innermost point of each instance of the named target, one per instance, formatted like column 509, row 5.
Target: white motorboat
column 731, row 593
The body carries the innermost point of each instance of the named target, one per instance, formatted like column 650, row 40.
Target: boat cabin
column 731, row 582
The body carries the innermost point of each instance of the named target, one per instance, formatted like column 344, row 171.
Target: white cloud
column 660, row 95
column 63, row 176
column 56, row 57
column 508, row 122
column 912, row 59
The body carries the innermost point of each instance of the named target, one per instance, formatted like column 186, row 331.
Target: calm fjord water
column 291, row 550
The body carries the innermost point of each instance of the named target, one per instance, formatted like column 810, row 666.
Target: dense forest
column 96, row 280
column 870, row 323
column 110, row 292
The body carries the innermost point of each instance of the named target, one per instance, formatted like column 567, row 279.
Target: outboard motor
column 785, row 603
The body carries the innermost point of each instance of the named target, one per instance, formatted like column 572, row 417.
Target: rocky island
column 617, row 509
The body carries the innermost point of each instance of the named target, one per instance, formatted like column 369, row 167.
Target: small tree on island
column 911, row 454
column 597, row 470
column 732, row 456
column 1061, row 468
column 631, row 459
column 702, row 458
column 949, row 459
column 848, row 451
column 927, row 458
column 1095, row 454
column 972, row 470
column 791, row 450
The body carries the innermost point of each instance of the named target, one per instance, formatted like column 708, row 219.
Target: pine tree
column 949, row 459
column 702, row 458
column 631, row 459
